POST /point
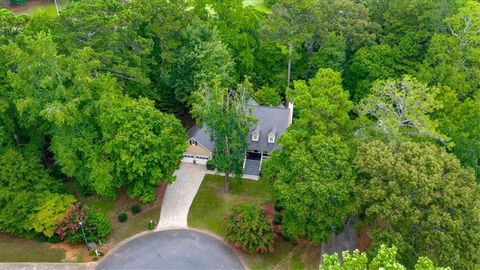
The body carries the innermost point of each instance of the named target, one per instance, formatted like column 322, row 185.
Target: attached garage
column 199, row 149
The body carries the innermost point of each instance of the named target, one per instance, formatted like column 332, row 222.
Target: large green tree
column 402, row 108
column 227, row 116
column 102, row 139
column 419, row 198
column 111, row 30
column 312, row 172
column 453, row 57
column 290, row 24
column 30, row 200
column 201, row 58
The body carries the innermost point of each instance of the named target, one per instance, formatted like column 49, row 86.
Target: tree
column 348, row 19
column 322, row 106
column 99, row 137
column 267, row 96
column 238, row 25
column 312, row 172
column 419, row 198
column 143, row 144
column 290, row 24
column 378, row 62
column 24, row 187
column 201, row 58
column 452, row 57
column 401, row 108
column 331, row 54
column 460, row 121
column 50, row 210
column 385, row 259
column 110, row 30
column 226, row 115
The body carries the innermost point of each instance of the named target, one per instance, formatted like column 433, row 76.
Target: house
column 262, row 139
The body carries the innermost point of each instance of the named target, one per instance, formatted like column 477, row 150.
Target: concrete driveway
column 179, row 196
column 173, row 249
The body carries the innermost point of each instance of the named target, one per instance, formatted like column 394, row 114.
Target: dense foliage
column 96, row 226
column 247, row 227
column 419, row 198
column 89, row 94
column 386, row 258
column 313, row 173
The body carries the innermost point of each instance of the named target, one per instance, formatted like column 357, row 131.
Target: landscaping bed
column 17, row 249
column 211, row 205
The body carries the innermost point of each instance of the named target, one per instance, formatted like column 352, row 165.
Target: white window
column 193, row 142
column 271, row 138
column 255, row 136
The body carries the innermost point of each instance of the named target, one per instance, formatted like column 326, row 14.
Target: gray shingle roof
column 270, row 120
column 202, row 137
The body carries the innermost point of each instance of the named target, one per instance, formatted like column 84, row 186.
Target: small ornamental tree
column 95, row 224
column 247, row 227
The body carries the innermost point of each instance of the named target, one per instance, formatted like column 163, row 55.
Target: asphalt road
column 173, row 249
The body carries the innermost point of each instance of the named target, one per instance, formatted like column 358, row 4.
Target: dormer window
column 271, row 135
column 255, row 136
column 256, row 133
column 193, row 142
column 271, row 138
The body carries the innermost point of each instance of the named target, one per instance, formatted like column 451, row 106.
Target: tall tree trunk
column 290, row 51
column 227, row 182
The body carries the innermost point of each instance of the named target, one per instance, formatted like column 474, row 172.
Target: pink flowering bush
column 96, row 225
column 248, row 227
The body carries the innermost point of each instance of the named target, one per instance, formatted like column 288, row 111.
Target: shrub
column 247, row 227
column 122, row 217
column 95, row 225
column 210, row 164
column 136, row 209
column 151, row 225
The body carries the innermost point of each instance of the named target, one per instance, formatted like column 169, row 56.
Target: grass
column 35, row 6
column 211, row 205
column 135, row 224
column 16, row 249
column 211, row 196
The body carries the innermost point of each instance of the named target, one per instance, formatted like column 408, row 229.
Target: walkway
column 179, row 196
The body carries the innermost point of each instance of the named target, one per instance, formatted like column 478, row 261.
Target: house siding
column 197, row 150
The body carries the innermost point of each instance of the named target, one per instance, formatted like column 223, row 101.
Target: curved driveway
column 173, row 249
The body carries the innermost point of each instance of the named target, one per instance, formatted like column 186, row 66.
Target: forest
column 386, row 127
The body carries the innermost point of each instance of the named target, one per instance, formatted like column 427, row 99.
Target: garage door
column 201, row 159
column 188, row 158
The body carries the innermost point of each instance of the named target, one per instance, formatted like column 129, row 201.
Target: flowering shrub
column 95, row 224
column 248, row 227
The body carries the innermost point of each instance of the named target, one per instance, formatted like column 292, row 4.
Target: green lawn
column 46, row 6
column 135, row 224
column 211, row 206
column 24, row 250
